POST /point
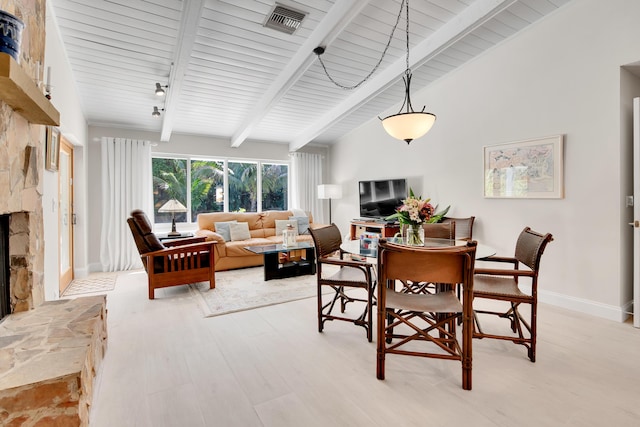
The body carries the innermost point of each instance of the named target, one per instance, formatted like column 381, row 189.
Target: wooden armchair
column 440, row 230
column 424, row 324
column 178, row 262
column 464, row 226
column 351, row 275
column 503, row 284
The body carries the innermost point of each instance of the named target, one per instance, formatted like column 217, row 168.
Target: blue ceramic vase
column 10, row 34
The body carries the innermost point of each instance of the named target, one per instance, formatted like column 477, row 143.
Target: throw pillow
column 239, row 231
column 282, row 224
column 303, row 224
column 222, row 228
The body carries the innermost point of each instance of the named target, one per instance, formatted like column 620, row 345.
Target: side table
column 165, row 236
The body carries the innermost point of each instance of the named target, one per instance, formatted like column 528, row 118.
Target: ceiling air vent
column 284, row 19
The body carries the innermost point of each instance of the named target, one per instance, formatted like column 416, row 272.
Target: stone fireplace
column 21, row 170
column 16, row 255
column 5, row 297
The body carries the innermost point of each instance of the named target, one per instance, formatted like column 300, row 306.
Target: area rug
column 95, row 282
column 245, row 289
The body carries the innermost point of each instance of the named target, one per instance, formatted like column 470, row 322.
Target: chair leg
column 534, row 327
column 320, row 322
column 380, row 345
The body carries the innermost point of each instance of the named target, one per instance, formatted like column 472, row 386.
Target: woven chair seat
column 348, row 274
column 442, row 302
column 497, row 285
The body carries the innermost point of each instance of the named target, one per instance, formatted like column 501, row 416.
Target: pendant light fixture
column 410, row 124
column 407, row 125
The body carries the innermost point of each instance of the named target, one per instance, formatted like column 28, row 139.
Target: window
column 218, row 185
column 207, row 186
column 275, row 188
column 243, row 187
column 169, row 182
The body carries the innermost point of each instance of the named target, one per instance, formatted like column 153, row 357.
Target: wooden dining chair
column 351, row 275
column 504, row 284
column 407, row 322
column 440, row 230
column 464, row 226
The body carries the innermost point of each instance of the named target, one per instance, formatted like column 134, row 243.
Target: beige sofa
column 262, row 228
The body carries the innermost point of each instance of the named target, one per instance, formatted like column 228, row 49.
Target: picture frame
column 529, row 169
column 52, row 152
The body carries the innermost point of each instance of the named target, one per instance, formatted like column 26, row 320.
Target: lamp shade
column 408, row 126
column 329, row 191
column 172, row 206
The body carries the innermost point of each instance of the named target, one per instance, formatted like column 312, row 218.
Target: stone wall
column 22, row 147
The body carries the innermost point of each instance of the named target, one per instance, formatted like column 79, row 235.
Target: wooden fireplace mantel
column 20, row 92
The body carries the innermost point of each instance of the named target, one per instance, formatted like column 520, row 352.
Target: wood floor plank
column 166, row 364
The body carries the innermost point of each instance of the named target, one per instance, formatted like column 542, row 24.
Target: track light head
column 159, row 89
column 156, row 112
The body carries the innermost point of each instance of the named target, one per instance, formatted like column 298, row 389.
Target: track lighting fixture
column 156, row 112
column 159, row 89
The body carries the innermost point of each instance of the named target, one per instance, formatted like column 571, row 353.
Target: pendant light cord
column 319, row 51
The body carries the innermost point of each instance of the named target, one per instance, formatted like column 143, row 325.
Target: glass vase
column 414, row 235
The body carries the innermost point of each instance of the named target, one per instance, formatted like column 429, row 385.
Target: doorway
column 66, row 216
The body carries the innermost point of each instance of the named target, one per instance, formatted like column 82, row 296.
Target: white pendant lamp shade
column 408, row 126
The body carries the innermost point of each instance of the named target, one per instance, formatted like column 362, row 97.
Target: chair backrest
column 530, row 246
column 440, row 230
column 451, row 265
column 327, row 240
column 464, row 226
column 142, row 232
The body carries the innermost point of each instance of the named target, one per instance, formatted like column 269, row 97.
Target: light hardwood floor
column 167, row 365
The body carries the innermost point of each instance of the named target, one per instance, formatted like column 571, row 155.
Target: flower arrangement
column 415, row 211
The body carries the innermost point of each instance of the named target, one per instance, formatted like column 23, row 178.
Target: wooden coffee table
column 274, row 269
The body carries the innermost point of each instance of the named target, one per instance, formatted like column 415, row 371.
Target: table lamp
column 173, row 206
column 329, row 191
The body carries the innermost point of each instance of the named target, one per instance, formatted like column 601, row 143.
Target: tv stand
column 381, row 227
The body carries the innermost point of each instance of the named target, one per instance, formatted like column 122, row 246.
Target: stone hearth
column 48, row 361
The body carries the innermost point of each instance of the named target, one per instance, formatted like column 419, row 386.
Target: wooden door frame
column 67, row 277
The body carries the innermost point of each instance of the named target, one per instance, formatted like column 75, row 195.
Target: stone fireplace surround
column 49, row 351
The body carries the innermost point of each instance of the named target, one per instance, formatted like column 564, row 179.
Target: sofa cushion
column 239, row 231
column 235, row 249
column 303, row 224
column 222, row 228
column 282, row 224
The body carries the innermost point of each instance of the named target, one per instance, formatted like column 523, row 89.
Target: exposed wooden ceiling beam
column 334, row 22
column 472, row 17
column 186, row 40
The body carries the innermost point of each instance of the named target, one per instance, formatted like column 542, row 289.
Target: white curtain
column 126, row 185
column 306, row 175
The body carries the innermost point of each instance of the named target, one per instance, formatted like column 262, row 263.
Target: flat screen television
column 380, row 198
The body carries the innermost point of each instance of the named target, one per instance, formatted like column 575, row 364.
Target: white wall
column 74, row 127
column 560, row 76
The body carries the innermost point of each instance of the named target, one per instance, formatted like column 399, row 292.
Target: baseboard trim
column 604, row 311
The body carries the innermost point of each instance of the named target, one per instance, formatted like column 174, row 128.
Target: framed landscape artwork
column 531, row 169
column 52, row 151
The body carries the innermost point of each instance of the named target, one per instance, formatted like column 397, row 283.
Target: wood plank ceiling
column 230, row 77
